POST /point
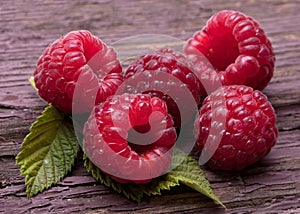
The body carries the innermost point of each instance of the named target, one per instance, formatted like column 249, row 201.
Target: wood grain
column 27, row 27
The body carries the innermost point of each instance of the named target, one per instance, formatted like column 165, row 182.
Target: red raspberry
column 77, row 55
column 171, row 104
column 249, row 132
column 176, row 65
column 130, row 137
column 237, row 47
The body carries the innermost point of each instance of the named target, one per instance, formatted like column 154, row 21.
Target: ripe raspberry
column 77, row 55
column 174, row 64
column 250, row 130
column 130, row 137
column 237, row 47
column 171, row 104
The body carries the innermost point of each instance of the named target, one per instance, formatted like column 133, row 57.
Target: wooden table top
column 27, row 27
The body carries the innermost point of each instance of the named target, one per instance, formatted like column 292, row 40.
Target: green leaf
column 189, row 173
column 31, row 81
column 132, row 191
column 48, row 151
column 186, row 171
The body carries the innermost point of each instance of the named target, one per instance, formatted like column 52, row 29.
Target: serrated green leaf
column 48, row 151
column 132, row 191
column 186, row 171
column 189, row 173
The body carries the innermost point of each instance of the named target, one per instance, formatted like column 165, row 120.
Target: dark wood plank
column 27, row 27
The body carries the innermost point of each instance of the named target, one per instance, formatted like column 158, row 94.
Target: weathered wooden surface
column 271, row 186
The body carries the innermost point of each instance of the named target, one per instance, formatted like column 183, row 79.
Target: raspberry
column 171, row 104
column 130, row 137
column 237, row 47
column 174, row 64
column 77, row 55
column 249, row 132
